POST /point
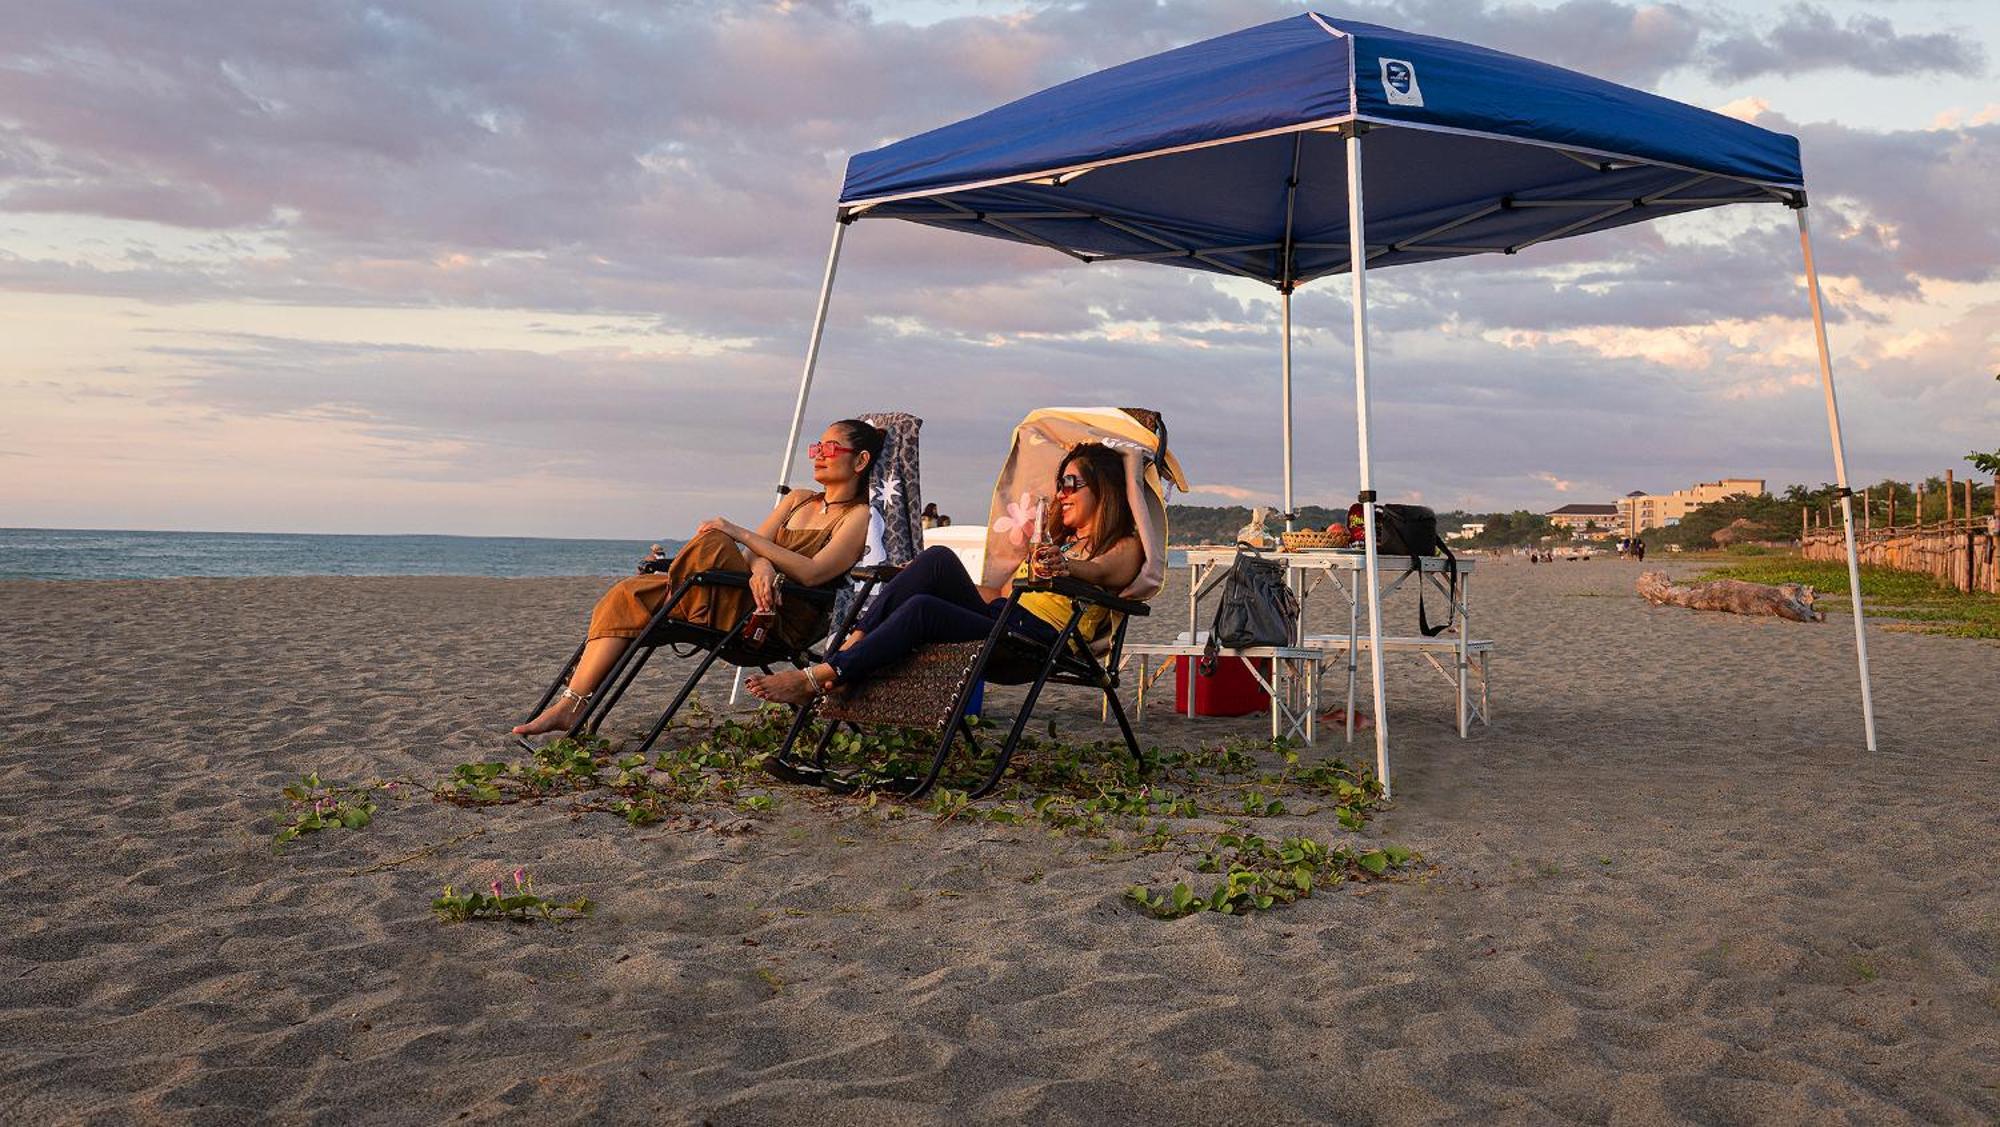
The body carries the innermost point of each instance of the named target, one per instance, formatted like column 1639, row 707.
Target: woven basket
column 1311, row 538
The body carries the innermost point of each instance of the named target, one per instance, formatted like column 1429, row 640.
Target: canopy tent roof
column 1226, row 155
column 1243, row 155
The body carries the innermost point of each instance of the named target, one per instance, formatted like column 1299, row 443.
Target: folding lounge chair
column 930, row 689
column 895, row 514
column 894, row 493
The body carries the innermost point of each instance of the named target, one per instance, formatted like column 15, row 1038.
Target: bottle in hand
column 1045, row 560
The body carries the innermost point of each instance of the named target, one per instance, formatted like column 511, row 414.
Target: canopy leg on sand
column 1357, row 259
column 1840, row 477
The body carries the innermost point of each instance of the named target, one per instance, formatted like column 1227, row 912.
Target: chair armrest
column 877, row 573
column 720, row 578
column 818, row 596
column 1074, row 588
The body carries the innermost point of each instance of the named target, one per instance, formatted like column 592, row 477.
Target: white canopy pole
column 805, row 389
column 1840, row 477
column 812, row 357
column 1289, row 510
column 1285, row 291
column 1357, row 264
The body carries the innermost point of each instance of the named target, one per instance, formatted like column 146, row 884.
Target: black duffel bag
column 1407, row 530
column 1256, row 608
column 1412, row 530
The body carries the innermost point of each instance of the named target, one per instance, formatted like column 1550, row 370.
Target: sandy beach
column 1668, row 884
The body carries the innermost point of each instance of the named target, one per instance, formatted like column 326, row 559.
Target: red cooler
column 1229, row 691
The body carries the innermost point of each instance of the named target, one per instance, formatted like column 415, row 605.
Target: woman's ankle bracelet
column 812, row 679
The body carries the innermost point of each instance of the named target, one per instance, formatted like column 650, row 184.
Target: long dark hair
column 1104, row 472
column 865, row 436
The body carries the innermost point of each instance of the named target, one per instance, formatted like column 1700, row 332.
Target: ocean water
column 70, row 553
column 43, row 553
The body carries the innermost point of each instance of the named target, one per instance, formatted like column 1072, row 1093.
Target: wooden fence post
column 1867, row 512
column 1920, row 506
column 1971, row 542
column 1948, row 498
column 1892, row 510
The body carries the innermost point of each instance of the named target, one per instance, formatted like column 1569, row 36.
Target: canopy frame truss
column 1285, row 277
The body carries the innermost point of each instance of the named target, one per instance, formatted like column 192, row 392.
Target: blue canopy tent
column 1243, row 154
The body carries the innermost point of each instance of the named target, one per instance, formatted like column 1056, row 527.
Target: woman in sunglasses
column 811, row 538
column 1089, row 533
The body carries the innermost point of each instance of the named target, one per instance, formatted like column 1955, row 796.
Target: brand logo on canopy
column 1399, row 83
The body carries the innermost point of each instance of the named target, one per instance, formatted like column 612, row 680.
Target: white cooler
column 967, row 540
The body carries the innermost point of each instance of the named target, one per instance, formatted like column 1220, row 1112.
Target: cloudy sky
column 547, row 268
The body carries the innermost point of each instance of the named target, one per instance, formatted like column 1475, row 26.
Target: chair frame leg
column 556, row 685
column 595, row 712
column 841, row 629
column 800, row 718
column 964, row 698
column 1125, row 726
column 1027, row 712
column 825, row 743
column 602, row 709
column 708, row 658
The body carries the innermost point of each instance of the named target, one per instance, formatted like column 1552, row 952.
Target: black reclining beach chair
column 930, row 690
column 714, row 643
column 894, row 499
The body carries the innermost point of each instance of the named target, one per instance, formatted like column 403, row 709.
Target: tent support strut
column 1840, row 477
column 1357, row 259
column 1285, row 298
column 805, row 388
column 812, row 358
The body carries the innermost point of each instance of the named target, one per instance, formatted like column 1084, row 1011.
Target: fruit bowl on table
column 1307, row 539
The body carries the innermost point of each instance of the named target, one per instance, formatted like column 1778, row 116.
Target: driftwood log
column 1790, row 600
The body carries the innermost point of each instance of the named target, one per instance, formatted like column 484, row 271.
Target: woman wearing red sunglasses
column 1089, row 533
column 810, row 538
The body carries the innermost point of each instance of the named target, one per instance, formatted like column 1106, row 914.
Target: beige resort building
column 1639, row 511
column 1580, row 520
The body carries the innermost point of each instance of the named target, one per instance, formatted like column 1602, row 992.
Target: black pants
column 932, row 600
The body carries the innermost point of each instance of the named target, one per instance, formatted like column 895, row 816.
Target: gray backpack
column 1256, row 608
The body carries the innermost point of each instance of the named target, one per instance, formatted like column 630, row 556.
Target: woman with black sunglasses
column 810, row 538
column 1089, row 533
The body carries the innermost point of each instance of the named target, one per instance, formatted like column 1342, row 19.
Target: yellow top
column 1055, row 610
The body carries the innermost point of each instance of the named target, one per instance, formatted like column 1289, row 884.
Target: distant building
column 1584, row 518
column 1640, row 510
column 1467, row 531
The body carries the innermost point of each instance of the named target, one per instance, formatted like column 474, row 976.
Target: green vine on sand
column 313, row 805
column 1259, row 875
column 521, row 905
column 643, row 793
column 562, row 766
column 1088, row 789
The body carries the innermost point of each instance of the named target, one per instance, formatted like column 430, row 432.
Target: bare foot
column 790, row 687
column 557, row 717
